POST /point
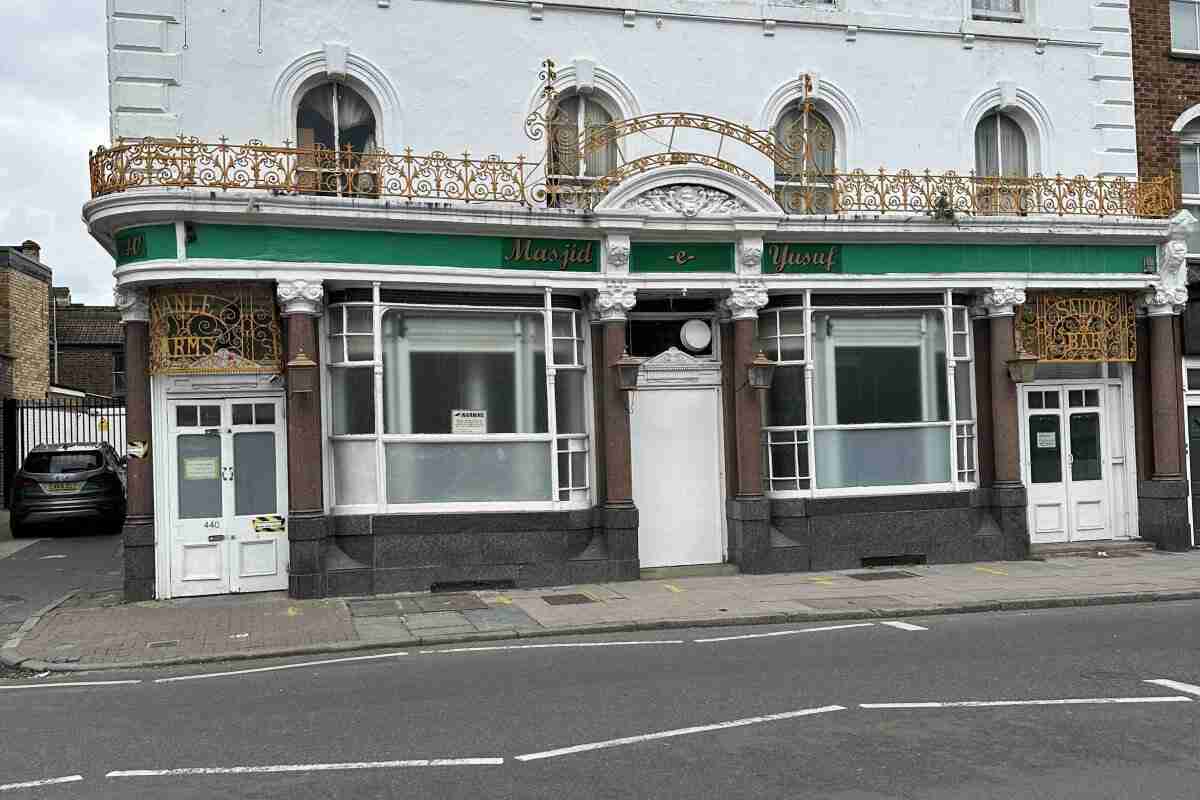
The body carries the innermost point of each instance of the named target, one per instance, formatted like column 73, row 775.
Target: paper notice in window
column 464, row 420
column 201, row 469
column 1047, row 441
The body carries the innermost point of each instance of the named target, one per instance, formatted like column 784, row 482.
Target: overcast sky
column 53, row 109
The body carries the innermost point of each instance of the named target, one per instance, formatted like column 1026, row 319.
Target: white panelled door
column 228, row 478
column 1066, row 470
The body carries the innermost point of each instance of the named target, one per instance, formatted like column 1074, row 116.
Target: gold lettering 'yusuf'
column 565, row 254
column 788, row 255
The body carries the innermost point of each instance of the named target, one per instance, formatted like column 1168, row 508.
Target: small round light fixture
column 696, row 335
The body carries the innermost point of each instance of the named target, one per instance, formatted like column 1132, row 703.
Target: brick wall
column 86, row 368
column 29, row 325
column 1164, row 87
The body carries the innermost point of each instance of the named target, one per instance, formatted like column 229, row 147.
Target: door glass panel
column 254, row 473
column 185, row 416
column 199, row 470
column 1193, row 432
column 1035, row 400
column 1091, row 398
column 1045, row 450
column 1051, row 398
column 210, row 416
column 243, row 414
column 1085, row 447
column 264, row 413
column 1075, row 398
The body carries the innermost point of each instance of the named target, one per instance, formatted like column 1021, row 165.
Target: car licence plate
column 62, row 488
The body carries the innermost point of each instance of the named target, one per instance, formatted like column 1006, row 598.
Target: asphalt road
column 67, row 558
column 500, row 715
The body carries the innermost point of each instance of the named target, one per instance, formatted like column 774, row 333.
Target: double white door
column 228, row 487
column 1067, row 466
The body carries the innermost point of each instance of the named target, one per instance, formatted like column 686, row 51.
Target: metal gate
column 28, row 423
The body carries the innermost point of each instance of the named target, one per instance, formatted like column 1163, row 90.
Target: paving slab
column 436, row 619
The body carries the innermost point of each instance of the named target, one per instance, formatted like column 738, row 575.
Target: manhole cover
column 885, row 575
column 567, row 599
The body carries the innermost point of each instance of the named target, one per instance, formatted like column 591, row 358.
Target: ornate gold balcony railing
column 437, row 176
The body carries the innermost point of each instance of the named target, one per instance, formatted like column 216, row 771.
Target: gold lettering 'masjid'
column 563, row 255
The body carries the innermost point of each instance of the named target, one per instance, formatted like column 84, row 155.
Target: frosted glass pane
column 569, row 402
column 1183, row 26
column 360, row 348
column 435, row 473
column 895, row 457
column 358, row 319
column 785, row 398
column 354, row 473
column 199, row 472
column 964, row 408
column 254, row 473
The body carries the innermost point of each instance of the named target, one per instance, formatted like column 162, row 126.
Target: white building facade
column 794, row 286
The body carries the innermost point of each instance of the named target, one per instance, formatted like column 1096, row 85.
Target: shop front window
column 471, row 406
column 868, row 397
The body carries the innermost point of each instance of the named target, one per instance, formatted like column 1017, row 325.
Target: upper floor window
column 1185, row 25
column 1189, row 175
column 336, row 118
column 1002, row 10
column 569, row 156
column 118, row 370
column 1000, row 147
column 808, row 150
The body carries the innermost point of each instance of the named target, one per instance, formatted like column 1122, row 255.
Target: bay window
column 459, row 404
column 867, row 396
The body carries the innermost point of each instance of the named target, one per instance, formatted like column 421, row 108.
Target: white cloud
column 54, row 81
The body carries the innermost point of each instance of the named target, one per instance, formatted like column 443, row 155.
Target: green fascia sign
column 262, row 243
column 145, row 243
column 681, row 257
column 916, row 259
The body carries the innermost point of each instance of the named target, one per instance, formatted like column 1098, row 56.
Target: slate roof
column 80, row 324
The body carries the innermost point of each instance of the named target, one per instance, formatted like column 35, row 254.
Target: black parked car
column 68, row 482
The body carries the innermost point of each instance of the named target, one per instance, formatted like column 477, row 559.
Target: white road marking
column 904, row 626
column 649, row 737
column 4, row 687
column 34, row 784
column 785, row 633
column 493, row 648
column 56, row 555
column 201, row 676
column 1187, row 688
column 276, row 768
column 1076, row 701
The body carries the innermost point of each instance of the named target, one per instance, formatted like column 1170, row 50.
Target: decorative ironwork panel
column 1078, row 327
column 219, row 329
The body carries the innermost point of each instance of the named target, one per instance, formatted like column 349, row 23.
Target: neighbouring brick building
column 87, row 346
column 24, row 322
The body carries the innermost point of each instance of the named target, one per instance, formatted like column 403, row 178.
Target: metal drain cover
column 885, row 575
column 567, row 599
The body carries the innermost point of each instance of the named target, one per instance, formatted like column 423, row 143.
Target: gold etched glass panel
column 228, row 328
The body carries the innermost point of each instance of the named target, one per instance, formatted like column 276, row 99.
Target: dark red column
column 1164, row 392
column 747, row 412
column 1005, row 433
column 138, row 532
column 618, row 478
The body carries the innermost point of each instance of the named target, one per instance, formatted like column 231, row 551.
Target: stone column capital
column 614, row 301
column 1001, row 301
column 746, row 299
column 1161, row 301
column 133, row 304
column 300, row 296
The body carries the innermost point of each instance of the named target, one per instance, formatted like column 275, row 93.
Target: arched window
column 1000, row 147
column 336, row 134
column 573, row 114
column 807, row 146
column 1189, row 176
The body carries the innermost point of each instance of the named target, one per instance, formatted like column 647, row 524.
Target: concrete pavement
column 758, row 712
column 93, row 631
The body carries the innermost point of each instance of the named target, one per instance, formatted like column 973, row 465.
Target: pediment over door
column 675, row 368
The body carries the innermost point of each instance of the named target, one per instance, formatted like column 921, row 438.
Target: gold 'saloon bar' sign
column 1078, row 327
column 804, row 258
column 561, row 254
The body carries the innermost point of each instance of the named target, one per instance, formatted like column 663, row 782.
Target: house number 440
column 213, row 523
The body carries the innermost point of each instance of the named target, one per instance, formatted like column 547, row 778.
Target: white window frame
column 963, row 433
column 986, row 15
column 579, row 489
column 580, row 126
column 1195, row 4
